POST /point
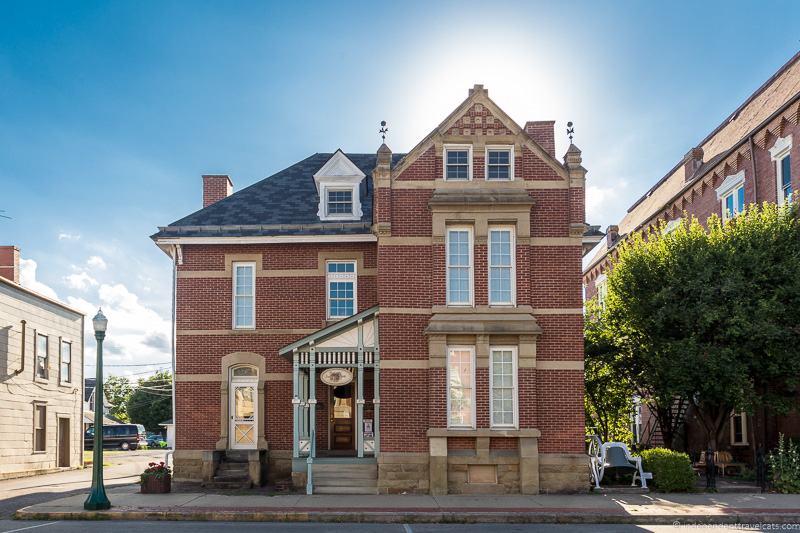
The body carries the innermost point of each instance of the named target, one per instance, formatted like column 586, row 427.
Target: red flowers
column 158, row 470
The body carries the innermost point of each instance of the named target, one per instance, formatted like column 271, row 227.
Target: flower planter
column 155, row 485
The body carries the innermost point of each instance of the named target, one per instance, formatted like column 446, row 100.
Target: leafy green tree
column 710, row 316
column 151, row 401
column 118, row 391
column 608, row 397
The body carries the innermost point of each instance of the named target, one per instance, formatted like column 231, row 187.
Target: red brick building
column 752, row 157
column 388, row 322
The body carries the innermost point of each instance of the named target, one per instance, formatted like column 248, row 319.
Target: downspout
column 177, row 257
column 22, row 324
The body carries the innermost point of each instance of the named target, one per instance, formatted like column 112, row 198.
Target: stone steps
column 336, row 478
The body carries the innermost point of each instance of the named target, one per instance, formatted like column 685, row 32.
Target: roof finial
column 383, row 131
column 570, row 131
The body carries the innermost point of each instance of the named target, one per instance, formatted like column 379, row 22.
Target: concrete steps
column 335, row 478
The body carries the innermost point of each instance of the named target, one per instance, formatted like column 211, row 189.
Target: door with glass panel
column 244, row 408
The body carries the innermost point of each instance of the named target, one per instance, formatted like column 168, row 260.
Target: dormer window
column 457, row 162
column 338, row 184
column 340, row 202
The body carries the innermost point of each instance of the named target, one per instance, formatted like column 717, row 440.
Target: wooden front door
column 63, row 443
column 342, row 418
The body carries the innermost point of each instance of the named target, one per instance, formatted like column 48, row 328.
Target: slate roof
column 285, row 203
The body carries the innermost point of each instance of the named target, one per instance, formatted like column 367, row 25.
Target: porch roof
column 329, row 331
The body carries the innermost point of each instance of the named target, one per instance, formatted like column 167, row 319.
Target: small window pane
column 457, row 165
column 244, row 371
column 786, row 179
column 498, row 164
column 740, row 200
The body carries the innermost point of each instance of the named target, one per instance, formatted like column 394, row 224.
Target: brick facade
column 403, row 272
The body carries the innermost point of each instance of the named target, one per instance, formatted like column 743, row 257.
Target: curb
column 400, row 516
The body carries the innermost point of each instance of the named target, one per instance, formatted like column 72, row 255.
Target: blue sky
column 111, row 111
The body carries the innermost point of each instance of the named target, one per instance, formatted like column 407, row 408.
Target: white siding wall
column 19, row 391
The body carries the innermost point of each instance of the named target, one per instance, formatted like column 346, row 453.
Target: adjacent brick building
column 751, row 158
column 408, row 322
column 41, row 378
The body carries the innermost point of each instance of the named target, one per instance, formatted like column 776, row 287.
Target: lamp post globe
column 97, row 499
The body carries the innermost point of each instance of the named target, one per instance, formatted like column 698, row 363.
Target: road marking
column 30, row 527
column 407, row 528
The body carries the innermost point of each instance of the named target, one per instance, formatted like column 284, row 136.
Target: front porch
column 336, row 403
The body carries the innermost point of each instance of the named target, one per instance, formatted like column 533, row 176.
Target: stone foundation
column 403, row 472
column 194, row 466
column 493, row 473
column 280, row 466
column 563, row 472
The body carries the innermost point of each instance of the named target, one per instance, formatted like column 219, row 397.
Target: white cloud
column 97, row 262
column 27, row 278
column 80, row 281
column 68, row 236
column 604, row 203
column 136, row 333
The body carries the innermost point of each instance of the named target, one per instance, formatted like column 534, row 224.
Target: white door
column 244, row 415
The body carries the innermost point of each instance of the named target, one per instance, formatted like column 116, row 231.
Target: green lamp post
column 97, row 499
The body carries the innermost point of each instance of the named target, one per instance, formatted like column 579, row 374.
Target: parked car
column 123, row 436
column 154, row 441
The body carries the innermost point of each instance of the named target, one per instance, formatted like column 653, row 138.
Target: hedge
column 672, row 471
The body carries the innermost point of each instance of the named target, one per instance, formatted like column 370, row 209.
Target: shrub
column 672, row 471
column 785, row 466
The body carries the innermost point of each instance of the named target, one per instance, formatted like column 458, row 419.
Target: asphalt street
column 123, row 468
column 11, row 526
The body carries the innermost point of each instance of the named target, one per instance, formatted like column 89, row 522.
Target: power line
column 141, row 364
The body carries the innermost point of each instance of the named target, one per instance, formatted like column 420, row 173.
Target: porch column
column 312, row 401
column 376, row 396
column 296, row 404
column 360, row 392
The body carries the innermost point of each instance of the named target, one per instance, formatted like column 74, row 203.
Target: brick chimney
column 612, row 236
column 543, row 132
column 692, row 161
column 9, row 263
column 215, row 188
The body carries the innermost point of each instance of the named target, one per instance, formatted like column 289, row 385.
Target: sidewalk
column 583, row 508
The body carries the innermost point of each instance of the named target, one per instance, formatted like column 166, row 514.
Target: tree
column 151, row 402
column 608, row 395
column 118, row 390
column 710, row 316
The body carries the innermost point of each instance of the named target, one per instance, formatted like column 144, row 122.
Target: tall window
column 42, row 361
column 739, row 428
column 342, row 290
column 340, row 202
column 66, row 362
column 457, row 162
column 503, row 390
column 500, row 163
column 461, row 387
column 244, row 295
column 39, row 428
column 459, row 266
column 785, row 179
column 733, row 202
column 501, row 266
column 601, row 285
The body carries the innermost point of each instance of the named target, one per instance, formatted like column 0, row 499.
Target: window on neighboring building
column 739, row 428
column 733, row 202
column 459, row 266
column 66, row 362
column 503, row 389
column 601, row 286
column 500, row 163
column 39, row 428
column 244, row 295
column 785, row 179
column 458, row 162
column 340, row 202
column 501, row 266
column 461, row 387
column 342, row 290
column 42, row 361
